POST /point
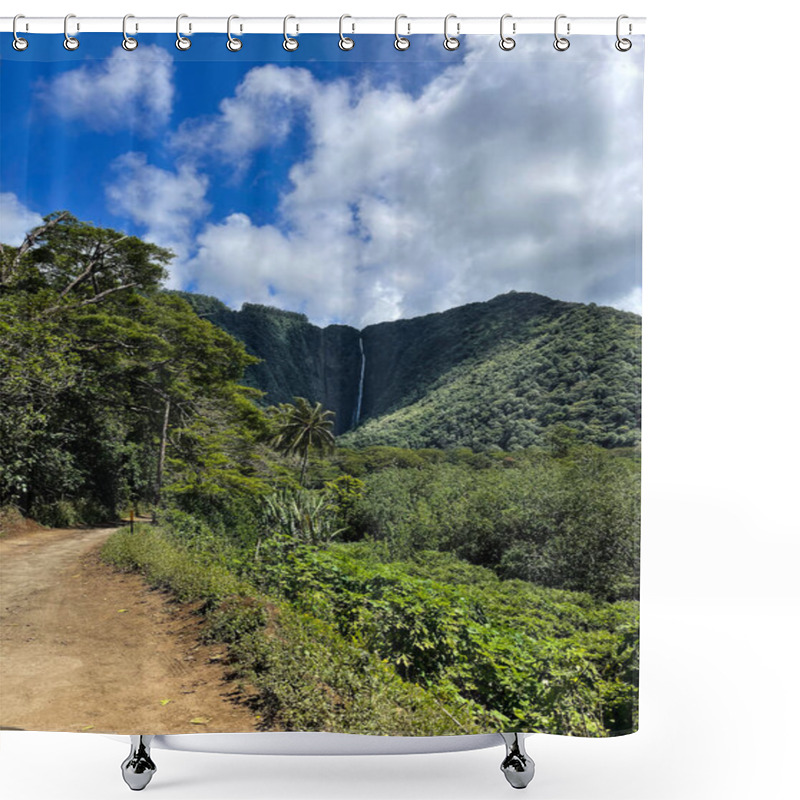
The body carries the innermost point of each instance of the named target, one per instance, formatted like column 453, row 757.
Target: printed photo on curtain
column 320, row 385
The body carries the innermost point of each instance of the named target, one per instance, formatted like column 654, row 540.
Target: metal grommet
column 506, row 42
column 623, row 45
column 19, row 43
column 233, row 44
column 400, row 42
column 181, row 42
column 70, row 42
column 345, row 42
column 561, row 43
column 289, row 44
column 127, row 42
column 450, row 42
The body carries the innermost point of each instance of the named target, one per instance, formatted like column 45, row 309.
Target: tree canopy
column 105, row 379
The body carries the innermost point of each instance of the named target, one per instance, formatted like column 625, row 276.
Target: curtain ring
column 127, row 42
column 19, row 43
column 623, row 45
column 400, row 42
column 506, row 42
column 561, row 43
column 345, row 42
column 233, row 44
column 289, row 44
column 181, row 42
column 451, row 42
column 70, row 42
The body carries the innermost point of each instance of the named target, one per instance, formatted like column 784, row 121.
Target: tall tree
column 182, row 359
column 63, row 292
column 81, row 264
column 301, row 428
column 101, row 370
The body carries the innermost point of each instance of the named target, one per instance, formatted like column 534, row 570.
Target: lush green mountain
column 504, row 373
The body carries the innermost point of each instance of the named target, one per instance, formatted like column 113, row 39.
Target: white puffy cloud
column 125, row 91
column 167, row 204
column 284, row 270
column 16, row 219
column 517, row 170
column 261, row 113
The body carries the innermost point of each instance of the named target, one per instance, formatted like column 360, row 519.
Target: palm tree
column 302, row 427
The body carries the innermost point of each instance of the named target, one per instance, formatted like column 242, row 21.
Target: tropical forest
column 429, row 526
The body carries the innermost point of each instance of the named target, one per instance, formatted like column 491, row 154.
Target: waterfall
column 361, row 379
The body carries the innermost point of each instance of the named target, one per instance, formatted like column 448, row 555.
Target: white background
column 719, row 707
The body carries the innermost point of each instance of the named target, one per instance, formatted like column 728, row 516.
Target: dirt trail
column 86, row 648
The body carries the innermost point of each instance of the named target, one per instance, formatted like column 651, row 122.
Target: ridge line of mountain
column 513, row 367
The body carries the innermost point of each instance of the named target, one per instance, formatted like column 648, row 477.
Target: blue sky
column 354, row 186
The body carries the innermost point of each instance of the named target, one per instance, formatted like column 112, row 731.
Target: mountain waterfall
column 361, row 379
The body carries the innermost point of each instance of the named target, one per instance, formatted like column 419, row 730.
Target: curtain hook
column 127, row 42
column 451, row 42
column 19, row 43
column 233, row 44
column 506, row 42
column 345, row 42
column 400, row 42
column 623, row 45
column 70, row 42
column 181, row 42
column 289, row 44
column 561, row 43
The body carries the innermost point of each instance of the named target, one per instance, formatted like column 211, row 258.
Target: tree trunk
column 162, row 456
column 303, row 468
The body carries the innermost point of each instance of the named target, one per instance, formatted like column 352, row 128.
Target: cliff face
column 297, row 358
column 499, row 373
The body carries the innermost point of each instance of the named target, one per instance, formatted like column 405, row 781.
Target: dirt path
column 86, row 648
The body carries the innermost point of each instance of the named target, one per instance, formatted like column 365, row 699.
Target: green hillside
column 503, row 374
column 500, row 374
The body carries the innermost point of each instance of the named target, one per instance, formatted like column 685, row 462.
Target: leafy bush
column 301, row 514
column 542, row 659
column 69, row 513
column 569, row 522
column 307, row 675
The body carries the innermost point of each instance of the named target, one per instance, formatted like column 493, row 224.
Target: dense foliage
column 368, row 588
column 503, row 375
column 484, row 654
column 307, row 676
column 570, row 522
column 112, row 390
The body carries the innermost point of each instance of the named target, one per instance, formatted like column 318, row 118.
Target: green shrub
column 544, row 659
column 307, row 675
column 570, row 522
column 70, row 513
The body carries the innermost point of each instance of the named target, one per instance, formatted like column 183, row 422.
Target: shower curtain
column 320, row 385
